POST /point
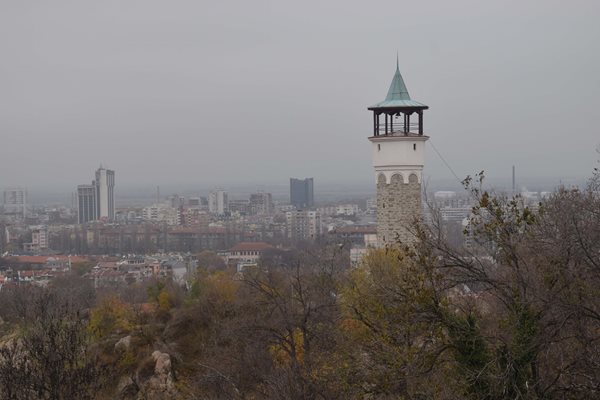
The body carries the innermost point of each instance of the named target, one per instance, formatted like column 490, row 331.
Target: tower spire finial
column 397, row 63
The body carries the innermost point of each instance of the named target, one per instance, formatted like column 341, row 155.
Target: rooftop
column 397, row 96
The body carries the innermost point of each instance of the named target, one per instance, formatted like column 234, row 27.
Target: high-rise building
column 15, row 201
column 302, row 193
column 218, row 202
column 105, row 183
column 398, row 157
column 87, row 207
column 97, row 201
column 261, row 203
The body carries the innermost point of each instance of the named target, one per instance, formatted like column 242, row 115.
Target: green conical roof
column 397, row 95
column 397, row 90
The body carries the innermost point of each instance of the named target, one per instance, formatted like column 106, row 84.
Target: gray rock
column 161, row 384
column 127, row 389
column 123, row 344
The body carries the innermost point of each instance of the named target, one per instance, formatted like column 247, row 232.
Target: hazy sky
column 257, row 91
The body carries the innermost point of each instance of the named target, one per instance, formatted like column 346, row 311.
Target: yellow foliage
column 127, row 360
column 220, row 286
column 111, row 315
column 164, row 304
column 351, row 325
column 387, row 294
column 292, row 347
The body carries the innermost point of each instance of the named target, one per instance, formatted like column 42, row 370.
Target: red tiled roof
column 251, row 246
column 76, row 259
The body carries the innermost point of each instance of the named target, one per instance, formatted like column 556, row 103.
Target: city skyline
column 133, row 194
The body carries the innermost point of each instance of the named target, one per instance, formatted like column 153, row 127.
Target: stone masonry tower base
column 398, row 207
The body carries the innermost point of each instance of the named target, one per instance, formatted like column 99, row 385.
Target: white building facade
column 218, row 202
column 15, row 201
column 303, row 225
column 105, row 183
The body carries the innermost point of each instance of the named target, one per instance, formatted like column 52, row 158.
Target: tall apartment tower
column 105, row 183
column 87, row 207
column 15, row 201
column 398, row 147
column 302, row 194
column 97, row 201
column 218, row 202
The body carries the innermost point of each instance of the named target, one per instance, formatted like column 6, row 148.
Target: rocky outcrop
column 123, row 344
column 127, row 389
column 152, row 381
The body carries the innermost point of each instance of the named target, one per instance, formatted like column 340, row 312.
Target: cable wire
column 445, row 162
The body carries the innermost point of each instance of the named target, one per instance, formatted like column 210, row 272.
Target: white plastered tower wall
column 398, row 163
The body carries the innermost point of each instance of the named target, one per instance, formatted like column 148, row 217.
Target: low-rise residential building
column 371, row 205
column 39, row 239
column 193, row 216
column 358, row 252
column 162, row 213
column 353, row 234
column 339, row 209
column 246, row 253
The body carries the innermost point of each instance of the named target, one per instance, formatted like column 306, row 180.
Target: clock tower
column 398, row 146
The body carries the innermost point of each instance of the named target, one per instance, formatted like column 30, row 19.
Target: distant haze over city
column 192, row 95
column 325, row 192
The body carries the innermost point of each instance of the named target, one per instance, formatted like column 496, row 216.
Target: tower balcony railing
column 397, row 129
column 397, row 123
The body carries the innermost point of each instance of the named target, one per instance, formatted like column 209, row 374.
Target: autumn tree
column 532, row 279
column 210, row 260
column 297, row 315
column 393, row 308
column 50, row 357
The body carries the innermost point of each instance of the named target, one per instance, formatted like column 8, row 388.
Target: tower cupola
column 393, row 115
